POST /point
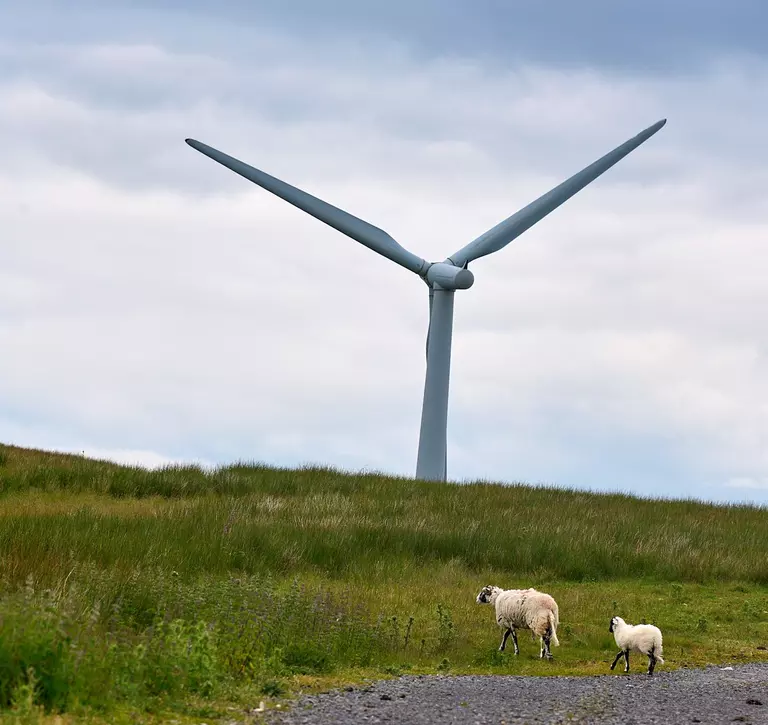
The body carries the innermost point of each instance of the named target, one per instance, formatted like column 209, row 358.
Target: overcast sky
column 155, row 307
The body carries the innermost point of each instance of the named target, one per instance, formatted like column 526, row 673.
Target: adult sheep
column 642, row 638
column 523, row 609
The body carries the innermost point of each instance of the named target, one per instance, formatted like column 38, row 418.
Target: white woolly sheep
column 523, row 609
column 642, row 638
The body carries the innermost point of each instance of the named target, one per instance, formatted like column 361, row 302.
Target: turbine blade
column 502, row 234
column 361, row 231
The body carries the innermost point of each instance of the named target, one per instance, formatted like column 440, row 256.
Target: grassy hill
column 131, row 591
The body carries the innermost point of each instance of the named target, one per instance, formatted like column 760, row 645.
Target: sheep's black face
column 485, row 595
column 613, row 623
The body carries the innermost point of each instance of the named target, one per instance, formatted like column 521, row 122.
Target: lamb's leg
column 503, row 644
column 618, row 657
column 626, row 660
column 651, row 664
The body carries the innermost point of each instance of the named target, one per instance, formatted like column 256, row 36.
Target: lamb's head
column 615, row 622
column 488, row 594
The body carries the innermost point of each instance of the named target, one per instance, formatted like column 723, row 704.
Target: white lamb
column 523, row 609
column 642, row 638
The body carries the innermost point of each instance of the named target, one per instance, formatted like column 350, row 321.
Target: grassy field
column 132, row 595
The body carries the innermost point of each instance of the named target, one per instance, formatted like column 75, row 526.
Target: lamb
column 524, row 609
column 642, row 638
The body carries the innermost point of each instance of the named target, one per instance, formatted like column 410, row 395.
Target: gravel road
column 708, row 696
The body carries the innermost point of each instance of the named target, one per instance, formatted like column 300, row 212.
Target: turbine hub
column 449, row 276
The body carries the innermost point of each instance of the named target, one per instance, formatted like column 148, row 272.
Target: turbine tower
column 442, row 278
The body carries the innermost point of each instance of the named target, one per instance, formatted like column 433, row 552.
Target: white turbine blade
column 361, row 231
column 502, row 234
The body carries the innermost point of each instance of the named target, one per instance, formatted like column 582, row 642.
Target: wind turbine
column 442, row 278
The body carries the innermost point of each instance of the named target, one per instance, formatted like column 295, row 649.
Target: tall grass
column 100, row 639
column 259, row 520
column 121, row 587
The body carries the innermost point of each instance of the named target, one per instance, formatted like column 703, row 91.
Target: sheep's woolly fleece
column 643, row 638
column 528, row 609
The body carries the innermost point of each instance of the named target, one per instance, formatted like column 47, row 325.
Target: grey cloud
column 370, row 116
column 657, row 37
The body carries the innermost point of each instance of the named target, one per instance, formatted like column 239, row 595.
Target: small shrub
column 33, row 641
column 272, row 688
column 201, row 659
column 275, row 665
column 408, row 628
column 23, row 699
column 446, row 632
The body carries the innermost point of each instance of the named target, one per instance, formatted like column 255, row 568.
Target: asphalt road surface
column 708, row 696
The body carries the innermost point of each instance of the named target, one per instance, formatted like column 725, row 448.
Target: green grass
column 128, row 594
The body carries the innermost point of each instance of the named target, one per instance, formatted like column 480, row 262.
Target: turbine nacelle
column 449, row 276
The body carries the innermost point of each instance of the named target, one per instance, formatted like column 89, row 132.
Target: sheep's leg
column 651, row 664
column 626, row 660
column 618, row 657
column 545, row 646
column 503, row 644
column 514, row 640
